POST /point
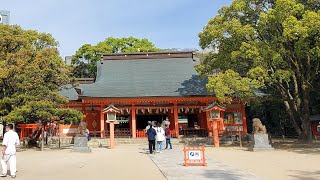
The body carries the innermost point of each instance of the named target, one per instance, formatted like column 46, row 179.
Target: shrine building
column 153, row 86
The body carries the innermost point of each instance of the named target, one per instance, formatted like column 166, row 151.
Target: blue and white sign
column 194, row 155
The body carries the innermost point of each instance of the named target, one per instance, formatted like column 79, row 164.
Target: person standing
column 88, row 134
column 151, row 133
column 10, row 141
column 168, row 140
column 160, row 138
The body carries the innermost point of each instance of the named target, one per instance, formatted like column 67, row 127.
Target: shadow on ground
column 305, row 175
column 301, row 148
column 222, row 174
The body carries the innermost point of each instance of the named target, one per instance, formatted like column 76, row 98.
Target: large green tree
column 266, row 44
column 31, row 75
column 86, row 57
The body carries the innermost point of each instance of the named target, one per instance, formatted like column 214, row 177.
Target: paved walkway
column 122, row 163
column 170, row 163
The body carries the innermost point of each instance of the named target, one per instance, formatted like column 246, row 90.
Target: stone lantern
column 111, row 112
column 215, row 111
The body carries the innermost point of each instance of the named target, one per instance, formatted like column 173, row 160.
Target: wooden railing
column 121, row 132
column 95, row 133
column 26, row 130
column 142, row 133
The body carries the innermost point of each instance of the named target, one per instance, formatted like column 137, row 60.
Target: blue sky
column 167, row 23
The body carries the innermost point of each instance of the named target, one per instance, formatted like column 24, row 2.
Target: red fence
column 26, row 130
column 142, row 133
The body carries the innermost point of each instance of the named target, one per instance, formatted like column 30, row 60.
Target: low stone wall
column 63, row 140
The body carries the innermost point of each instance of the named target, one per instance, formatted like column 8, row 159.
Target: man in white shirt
column 10, row 141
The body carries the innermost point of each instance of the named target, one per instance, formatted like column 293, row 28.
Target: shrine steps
column 97, row 142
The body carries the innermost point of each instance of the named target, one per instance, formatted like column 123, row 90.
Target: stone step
column 142, row 141
column 97, row 142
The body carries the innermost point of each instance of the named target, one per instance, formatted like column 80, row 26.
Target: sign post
column 194, row 156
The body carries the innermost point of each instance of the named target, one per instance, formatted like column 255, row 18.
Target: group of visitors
column 156, row 135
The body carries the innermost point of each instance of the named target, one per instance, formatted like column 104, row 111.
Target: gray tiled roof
column 212, row 104
column 69, row 92
column 147, row 78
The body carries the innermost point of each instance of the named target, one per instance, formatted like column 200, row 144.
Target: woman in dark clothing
column 168, row 141
column 151, row 133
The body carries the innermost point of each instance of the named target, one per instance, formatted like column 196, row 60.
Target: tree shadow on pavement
column 300, row 148
column 223, row 174
column 305, row 175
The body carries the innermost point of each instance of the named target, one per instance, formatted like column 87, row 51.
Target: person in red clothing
column 167, row 133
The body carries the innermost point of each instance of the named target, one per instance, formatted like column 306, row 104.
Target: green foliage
column 31, row 74
column 266, row 44
column 92, row 54
column 230, row 82
column 42, row 110
column 70, row 116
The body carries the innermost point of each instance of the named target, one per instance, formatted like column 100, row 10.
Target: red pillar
column 175, row 120
column 22, row 133
column 102, row 125
column 244, row 118
column 171, row 120
column 133, row 124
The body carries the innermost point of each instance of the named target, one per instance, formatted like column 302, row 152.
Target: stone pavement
column 121, row 163
column 170, row 163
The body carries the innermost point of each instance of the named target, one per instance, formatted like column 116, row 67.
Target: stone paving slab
column 170, row 163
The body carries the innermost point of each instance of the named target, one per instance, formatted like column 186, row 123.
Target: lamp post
column 111, row 112
column 215, row 112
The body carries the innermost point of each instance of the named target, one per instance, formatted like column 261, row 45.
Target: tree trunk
column 304, row 131
column 306, row 135
column 292, row 118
